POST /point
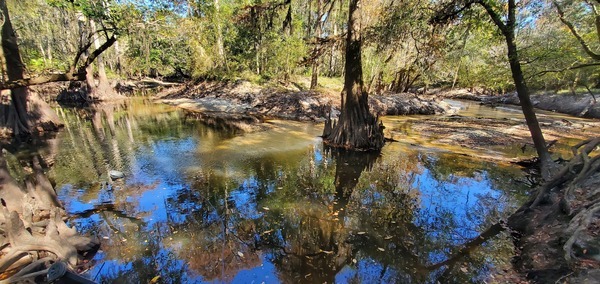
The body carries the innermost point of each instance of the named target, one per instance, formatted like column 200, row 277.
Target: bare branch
column 572, row 67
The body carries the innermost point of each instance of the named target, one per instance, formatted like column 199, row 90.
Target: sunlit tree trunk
column 315, row 65
column 119, row 66
column 357, row 128
column 103, row 89
column 220, row 47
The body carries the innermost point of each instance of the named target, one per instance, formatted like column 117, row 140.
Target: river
column 202, row 202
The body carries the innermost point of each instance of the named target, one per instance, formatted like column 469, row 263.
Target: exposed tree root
column 562, row 221
column 579, row 168
column 578, row 224
column 33, row 227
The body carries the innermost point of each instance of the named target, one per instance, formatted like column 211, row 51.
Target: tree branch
column 42, row 80
column 450, row 11
column 572, row 67
column 109, row 42
column 504, row 27
column 596, row 17
column 70, row 76
column 586, row 47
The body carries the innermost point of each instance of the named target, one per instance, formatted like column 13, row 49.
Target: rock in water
column 115, row 174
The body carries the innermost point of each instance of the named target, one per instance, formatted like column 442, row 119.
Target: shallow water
column 201, row 202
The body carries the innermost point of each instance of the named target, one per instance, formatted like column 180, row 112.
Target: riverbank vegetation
column 275, row 40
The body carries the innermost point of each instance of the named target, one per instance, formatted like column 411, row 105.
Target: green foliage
column 255, row 40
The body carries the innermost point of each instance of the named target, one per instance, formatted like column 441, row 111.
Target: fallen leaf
column 155, row 279
column 361, row 233
column 381, row 249
column 388, row 238
column 240, row 254
column 266, row 208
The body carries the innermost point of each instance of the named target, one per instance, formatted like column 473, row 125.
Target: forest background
column 303, row 42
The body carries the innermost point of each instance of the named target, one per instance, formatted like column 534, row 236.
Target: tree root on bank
column 56, row 240
column 578, row 224
column 578, row 169
column 577, row 187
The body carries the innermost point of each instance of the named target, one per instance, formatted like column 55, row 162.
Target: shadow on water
column 202, row 202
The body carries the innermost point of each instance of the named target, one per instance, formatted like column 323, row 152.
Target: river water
column 202, row 202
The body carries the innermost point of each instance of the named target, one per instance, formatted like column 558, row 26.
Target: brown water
column 202, row 203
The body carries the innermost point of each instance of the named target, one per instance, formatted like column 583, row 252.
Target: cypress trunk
column 357, row 128
column 103, row 90
column 26, row 112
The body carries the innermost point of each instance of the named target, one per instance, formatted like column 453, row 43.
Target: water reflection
column 202, row 203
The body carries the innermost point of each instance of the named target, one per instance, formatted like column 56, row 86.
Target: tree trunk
column 21, row 117
column 314, row 79
column 103, row 89
column 219, row 43
column 527, row 107
column 357, row 128
column 119, row 58
column 548, row 167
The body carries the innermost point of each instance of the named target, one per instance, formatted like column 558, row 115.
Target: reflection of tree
column 314, row 215
column 349, row 166
column 311, row 243
column 209, row 234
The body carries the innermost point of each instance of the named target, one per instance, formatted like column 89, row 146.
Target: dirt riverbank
column 283, row 102
column 580, row 105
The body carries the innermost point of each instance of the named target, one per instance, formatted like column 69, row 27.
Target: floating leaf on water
column 307, row 275
column 240, row 254
column 361, row 233
column 463, row 269
column 266, row 208
column 388, row 238
column 354, row 260
column 326, row 251
column 267, row 232
column 381, row 249
column 155, row 279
